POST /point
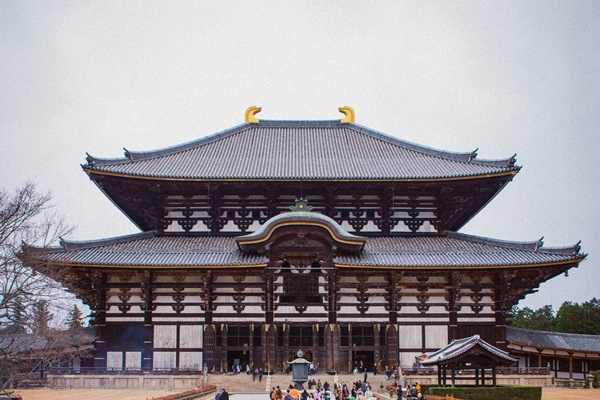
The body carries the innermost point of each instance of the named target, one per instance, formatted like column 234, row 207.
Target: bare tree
column 26, row 217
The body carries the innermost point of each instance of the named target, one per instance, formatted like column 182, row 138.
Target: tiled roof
column 450, row 250
column 455, row 250
column 289, row 150
column 25, row 342
column 459, row 347
column 147, row 249
column 553, row 340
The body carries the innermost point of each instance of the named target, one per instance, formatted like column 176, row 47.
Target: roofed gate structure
column 465, row 355
column 367, row 265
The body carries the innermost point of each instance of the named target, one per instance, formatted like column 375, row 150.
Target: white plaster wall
column 114, row 360
column 163, row 359
column 190, row 360
column 436, row 336
column 190, row 336
column 133, row 360
column 165, row 336
column 409, row 336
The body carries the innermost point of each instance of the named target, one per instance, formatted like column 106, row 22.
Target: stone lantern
column 299, row 370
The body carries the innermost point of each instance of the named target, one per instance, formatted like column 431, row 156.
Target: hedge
column 490, row 392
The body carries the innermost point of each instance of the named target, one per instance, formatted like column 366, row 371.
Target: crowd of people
column 358, row 390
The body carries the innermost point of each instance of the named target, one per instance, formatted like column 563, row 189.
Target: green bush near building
column 596, row 382
column 489, row 392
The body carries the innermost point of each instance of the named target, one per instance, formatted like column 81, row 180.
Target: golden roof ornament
column 348, row 112
column 250, row 114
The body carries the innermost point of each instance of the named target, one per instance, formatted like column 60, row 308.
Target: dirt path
column 80, row 394
column 570, row 394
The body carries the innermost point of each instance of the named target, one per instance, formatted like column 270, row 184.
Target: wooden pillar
column 482, row 376
column 148, row 297
column 393, row 289
column 209, row 347
column 391, row 345
column 453, row 377
column 503, row 280
column 570, row 365
column 98, row 282
column 332, row 348
column 332, row 290
column 269, row 297
column 377, row 332
column 439, row 374
column 476, row 376
column 224, row 361
column 494, row 375
column 444, row 375
column 208, row 297
column 286, row 346
column 455, row 281
column 270, row 346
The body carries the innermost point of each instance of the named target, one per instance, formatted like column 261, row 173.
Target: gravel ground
column 50, row 394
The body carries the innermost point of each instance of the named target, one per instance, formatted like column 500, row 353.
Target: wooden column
column 270, row 346
column 332, row 290
column 391, row 345
column 98, row 282
column 145, row 277
column 570, row 365
column 210, row 346
column 269, row 297
column 332, row 348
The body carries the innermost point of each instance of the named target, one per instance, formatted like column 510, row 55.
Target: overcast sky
column 505, row 77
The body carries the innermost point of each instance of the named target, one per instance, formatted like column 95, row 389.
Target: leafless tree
column 26, row 217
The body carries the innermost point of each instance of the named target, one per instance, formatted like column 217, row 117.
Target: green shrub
column 490, row 392
column 596, row 375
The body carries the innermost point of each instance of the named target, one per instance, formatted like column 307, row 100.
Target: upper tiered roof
column 300, row 150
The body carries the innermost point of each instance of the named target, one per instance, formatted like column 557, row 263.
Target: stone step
column 244, row 383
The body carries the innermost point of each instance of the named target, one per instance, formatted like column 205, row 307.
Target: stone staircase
column 243, row 383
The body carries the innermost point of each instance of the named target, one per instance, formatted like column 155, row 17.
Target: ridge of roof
column 536, row 246
column 466, row 157
column 131, row 156
column 469, row 157
column 87, row 244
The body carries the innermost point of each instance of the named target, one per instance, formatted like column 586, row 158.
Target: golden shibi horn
column 250, row 114
column 348, row 112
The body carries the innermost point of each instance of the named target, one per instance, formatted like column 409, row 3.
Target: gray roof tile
column 300, row 150
column 553, row 340
column 451, row 250
column 459, row 347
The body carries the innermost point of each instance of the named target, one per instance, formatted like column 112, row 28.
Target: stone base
column 131, row 382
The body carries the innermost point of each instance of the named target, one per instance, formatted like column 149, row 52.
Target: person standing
column 224, row 395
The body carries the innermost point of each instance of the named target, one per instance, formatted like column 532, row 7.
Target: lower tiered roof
column 448, row 251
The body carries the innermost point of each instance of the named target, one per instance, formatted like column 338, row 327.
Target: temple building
column 274, row 236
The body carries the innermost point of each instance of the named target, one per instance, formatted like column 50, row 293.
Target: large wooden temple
column 277, row 235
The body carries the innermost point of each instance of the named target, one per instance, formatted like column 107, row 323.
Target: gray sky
column 505, row 77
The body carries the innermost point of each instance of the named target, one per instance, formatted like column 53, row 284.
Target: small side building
column 566, row 355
